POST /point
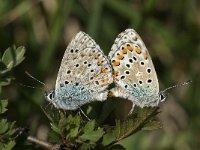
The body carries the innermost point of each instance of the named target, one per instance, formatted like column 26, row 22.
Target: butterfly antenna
column 28, row 74
column 178, row 85
column 28, row 86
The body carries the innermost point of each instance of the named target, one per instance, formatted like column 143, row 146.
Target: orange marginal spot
column 110, row 94
column 145, row 55
column 99, row 63
column 138, row 50
column 105, row 81
column 120, row 57
column 115, row 72
column 124, row 50
column 103, row 69
column 97, row 56
column 116, row 63
column 82, row 55
column 115, row 78
column 129, row 47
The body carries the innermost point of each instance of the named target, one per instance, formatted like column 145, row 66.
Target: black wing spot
column 127, row 65
column 89, row 65
column 149, row 80
column 66, row 82
column 149, row 70
column 134, row 58
column 142, row 63
column 71, row 50
column 126, row 86
column 68, row 71
column 123, row 77
column 140, row 82
column 131, row 60
column 127, row 72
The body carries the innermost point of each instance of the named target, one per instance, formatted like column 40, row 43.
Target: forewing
column 133, row 68
column 84, row 63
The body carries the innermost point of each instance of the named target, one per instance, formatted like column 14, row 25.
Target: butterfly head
column 50, row 95
column 163, row 96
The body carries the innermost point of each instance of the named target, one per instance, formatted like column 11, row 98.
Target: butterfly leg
column 131, row 111
column 80, row 110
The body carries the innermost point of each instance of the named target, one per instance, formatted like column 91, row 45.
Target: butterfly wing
column 133, row 69
column 84, row 74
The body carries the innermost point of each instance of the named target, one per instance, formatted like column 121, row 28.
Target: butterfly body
column 84, row 75
column 134, row 74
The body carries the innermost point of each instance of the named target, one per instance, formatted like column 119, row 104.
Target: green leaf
column 55, row 128
column 2, row 66
column 7, row 146
column 12, row 57
column 89, row 126
column 3, row 126
column 85, row 146
column 5, row 81
column 90, row 133
column 3, row 105
column 116, row 147
column 152, row 125
column 143, row 119
column 73, row 126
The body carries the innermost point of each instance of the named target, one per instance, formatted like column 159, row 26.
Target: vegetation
column 170, row 30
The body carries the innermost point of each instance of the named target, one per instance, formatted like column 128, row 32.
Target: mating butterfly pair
column 85, row 73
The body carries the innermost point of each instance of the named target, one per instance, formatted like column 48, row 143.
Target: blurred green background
column 169, row 28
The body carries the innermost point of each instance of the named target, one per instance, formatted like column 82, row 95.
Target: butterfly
column 84, row 75
column 134, row 74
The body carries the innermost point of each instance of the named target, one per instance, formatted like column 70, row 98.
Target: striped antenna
column 28, row 74
column 178, row 85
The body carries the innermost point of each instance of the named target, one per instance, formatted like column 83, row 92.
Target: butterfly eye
column 162, row 97
column 50, row 96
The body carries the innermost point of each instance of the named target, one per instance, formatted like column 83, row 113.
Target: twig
column 44, row 144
